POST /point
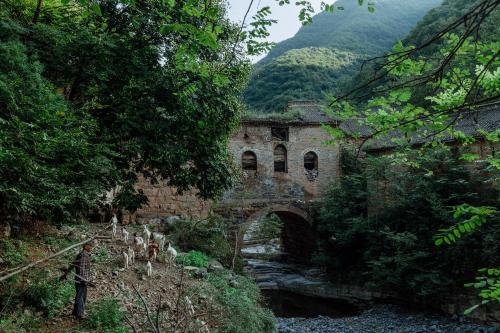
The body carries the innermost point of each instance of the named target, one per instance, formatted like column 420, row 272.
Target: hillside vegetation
column 323, row 56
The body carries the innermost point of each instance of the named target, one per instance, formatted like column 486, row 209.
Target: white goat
column 144, row 249
column 189, row 306
column 125, row 235
column 160, row 238
column 125, row 260
column 147, row 235
column 149, row 268
column 131, row 255
column 114, row 222
column 171, row 255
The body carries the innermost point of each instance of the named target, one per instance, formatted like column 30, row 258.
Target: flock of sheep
column 149, row 245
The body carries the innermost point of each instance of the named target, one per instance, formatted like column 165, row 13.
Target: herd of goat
column 149, row 245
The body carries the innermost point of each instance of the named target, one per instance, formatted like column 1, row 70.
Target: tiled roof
column 486, row 118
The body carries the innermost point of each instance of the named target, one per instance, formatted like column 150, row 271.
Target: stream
column 293, row 293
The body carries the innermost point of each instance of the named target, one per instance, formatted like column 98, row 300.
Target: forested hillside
column 314, row 61
column 450, row 10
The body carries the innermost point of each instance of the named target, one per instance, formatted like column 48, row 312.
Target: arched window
column 249, row 161
column 280, row 161
column 311, row 161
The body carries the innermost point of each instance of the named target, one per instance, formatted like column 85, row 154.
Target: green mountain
column 449, row 11
column 323, row 56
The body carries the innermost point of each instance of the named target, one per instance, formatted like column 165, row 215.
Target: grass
column 279, row 116
column 48, row 297
column 13, row 252
column 193, row 258
column 106, row 316
column 240, row 304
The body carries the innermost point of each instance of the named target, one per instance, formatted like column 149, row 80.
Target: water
column 288, row 304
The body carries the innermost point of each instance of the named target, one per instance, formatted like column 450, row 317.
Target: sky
column 288, row 22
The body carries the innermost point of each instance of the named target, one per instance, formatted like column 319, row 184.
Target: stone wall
column 269, row 186
column 256, row 189
column 165, row 201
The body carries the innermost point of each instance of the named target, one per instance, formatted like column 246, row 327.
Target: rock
column 234, row 283
column 115, row 273
column 190, row 269
column 214, row 265
column 200, row 273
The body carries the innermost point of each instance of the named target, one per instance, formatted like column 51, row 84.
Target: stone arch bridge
column 284, row 164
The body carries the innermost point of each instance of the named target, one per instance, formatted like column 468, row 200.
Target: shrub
column 100, row 255
column 19, row 322
column 392, row 247
column 270, row 227
column 210, row 236
column 193, row 258
column 12, row 251
column 240, row 306
column 48, row 297
column 106, row 316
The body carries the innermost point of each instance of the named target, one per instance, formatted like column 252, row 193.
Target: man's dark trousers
column 80, row 299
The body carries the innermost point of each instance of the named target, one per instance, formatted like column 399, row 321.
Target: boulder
column 214, row 265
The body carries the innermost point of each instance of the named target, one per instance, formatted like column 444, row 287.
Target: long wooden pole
column 35, row 263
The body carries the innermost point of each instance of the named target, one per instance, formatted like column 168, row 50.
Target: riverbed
column 292, row 293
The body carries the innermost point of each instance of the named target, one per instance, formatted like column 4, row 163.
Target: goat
column 153, row 250
column 138, row 241
column 189, row 306
column 160, row 238
column 125, row 260
column 171, row 255
column 125, row 235
column 131, row 255
column 114, row 222
column 149, row 268
column 147, row 235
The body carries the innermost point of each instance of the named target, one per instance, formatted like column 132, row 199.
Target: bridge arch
column 297, row 238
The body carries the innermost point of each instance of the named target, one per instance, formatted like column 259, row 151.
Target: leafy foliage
column 13, row 252
column 210, row 236
column 239, row 305
column 270, row 227
column 392, row 246
column 489, row 284
column 193, row 258
column 91, row 96
column 48, row 296
column 106, row 316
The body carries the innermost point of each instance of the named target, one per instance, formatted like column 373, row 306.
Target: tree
column 155, row 82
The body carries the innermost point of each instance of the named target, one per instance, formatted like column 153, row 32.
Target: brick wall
column 261, row 187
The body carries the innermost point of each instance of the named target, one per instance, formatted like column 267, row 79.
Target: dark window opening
column 311, row 161
column 249, row 161
column 280, row 161
column 279, row 133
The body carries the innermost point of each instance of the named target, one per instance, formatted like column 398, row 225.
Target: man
column 81, row 264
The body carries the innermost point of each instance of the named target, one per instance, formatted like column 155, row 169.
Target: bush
column 12, row 251
column 210, row 236
column 100, row 255
column 270, row 227
column 392, row 247
column 193, row 258
column 48, row 297
column 106, row 316
column 240, row 306
column 19, row 322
